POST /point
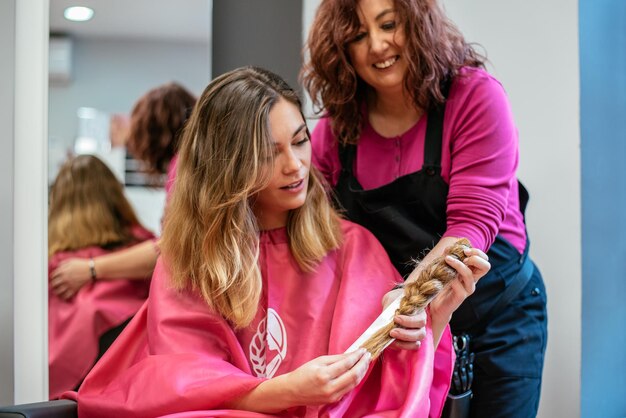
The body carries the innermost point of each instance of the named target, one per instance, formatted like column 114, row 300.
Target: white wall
column 535, row 56
column 111, row 74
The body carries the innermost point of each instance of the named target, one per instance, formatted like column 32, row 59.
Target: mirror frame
column 30, row 202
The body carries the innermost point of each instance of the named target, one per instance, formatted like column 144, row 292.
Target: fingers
column 62, row 286
column 461, row 268
column 58, row 286
column 470, row 252
column 418, row 320
column 406, row 345
column 411, row 331
column 63, row 292
column 478, row 265
column 350, row 378
column 67, row 294
column 408, row 339
column 56, row 273
column 326, row 379
column 391, row 296
column 342, row 363
column 69, row 277
column 472, row 268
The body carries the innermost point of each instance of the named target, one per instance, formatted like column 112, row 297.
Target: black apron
column 408, row 216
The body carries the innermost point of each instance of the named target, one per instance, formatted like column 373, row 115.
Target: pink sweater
column 479, row 160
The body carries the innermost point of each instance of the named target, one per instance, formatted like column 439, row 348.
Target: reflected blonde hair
column 210, row 239
column 88, row 208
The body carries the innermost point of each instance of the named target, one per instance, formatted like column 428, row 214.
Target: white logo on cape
column 268, row 347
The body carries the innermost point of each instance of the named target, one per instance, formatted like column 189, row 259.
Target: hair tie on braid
column 419, row 293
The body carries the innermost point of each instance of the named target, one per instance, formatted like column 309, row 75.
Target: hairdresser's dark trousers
column 508, row 345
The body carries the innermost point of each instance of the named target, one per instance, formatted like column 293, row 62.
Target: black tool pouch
column 457, row 406
column 458, row 402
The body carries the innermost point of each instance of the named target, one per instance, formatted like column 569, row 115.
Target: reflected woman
column 89, row 217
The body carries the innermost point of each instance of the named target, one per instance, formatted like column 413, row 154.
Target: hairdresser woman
column 419, row 145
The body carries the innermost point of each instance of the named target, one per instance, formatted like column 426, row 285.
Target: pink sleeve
column 484, row 155
column 325, row 156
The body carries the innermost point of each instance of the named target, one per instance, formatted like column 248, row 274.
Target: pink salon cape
column 75, row 326
column 177, row 358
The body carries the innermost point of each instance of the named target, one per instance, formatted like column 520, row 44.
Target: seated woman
column 261, row 287
column 89, row 216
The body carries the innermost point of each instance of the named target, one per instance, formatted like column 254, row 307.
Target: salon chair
column 50, row 409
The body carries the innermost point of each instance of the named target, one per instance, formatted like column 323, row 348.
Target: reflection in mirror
column 99, row 69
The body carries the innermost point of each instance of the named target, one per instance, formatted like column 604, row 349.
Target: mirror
column 98, row 70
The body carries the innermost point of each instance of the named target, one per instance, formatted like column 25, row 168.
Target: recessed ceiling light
column 78, row 13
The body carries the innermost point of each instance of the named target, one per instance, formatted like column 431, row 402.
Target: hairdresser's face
column 376, row 52
column 292, row 158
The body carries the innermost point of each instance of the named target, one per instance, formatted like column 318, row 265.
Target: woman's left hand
column 411, row 328
column 475, row 266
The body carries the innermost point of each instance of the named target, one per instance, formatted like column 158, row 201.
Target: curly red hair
column 156, row 122
column 435, row 51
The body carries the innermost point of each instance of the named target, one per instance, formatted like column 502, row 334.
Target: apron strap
column 434, row 133
column 347, row 155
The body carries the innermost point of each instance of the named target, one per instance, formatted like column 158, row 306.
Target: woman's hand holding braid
column 470, row 270
column 410, row 331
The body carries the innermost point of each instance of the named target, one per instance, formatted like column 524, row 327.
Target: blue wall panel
column 603, row 167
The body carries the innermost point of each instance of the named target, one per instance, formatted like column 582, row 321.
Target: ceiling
column 174, row 20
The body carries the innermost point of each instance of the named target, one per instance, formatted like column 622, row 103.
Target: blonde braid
column 419, row 293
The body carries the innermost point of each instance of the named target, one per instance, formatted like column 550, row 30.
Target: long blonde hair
column 88, row 207
column 210, row 239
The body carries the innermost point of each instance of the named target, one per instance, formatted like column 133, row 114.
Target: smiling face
column 376, row 51
column 288, row 186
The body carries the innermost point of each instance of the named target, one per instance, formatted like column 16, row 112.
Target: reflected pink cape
column 178, row 358
column 75, row 326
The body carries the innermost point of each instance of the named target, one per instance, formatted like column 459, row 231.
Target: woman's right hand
column 69, row 277
column 321, row 381
column 326, row 379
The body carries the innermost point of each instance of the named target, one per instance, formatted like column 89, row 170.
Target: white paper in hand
column 383, row 319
